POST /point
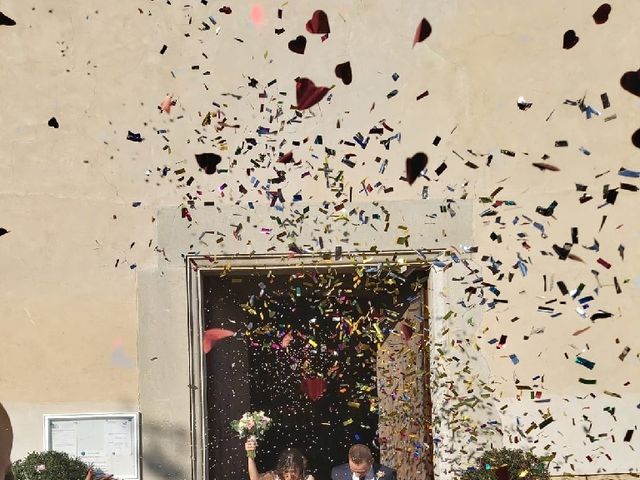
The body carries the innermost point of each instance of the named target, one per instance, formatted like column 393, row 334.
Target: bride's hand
column 251, row 445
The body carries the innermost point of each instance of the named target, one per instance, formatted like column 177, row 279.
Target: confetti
column 307, row 94
column 208, row 162
column 298, row 45
column 134, row 137
column 415, row 165
column 343, row 72
column 523, row 104
column 570, row 39
column 6, row 21
column 212, row 336
column 257, row 14
column 601, row 15
column 319, row 23
column 423, row 31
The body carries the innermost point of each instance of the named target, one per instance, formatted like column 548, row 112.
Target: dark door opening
column 304, row 351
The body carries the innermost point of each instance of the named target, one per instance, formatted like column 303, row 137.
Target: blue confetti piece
column 623, row 172
column 584, row 300
column 523, row 268
column 539, row 226
column 514, row 359
column 585, row 363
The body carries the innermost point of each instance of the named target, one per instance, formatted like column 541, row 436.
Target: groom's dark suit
column 342, row 472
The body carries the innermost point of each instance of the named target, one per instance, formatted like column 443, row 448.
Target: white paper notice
column 97, row 460
column 118, row 435
column 64, row 437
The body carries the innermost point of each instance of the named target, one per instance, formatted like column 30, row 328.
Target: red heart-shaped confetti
column 415, row 165
column 343, row 72
column 319, row 23
column 630, row 81
column 406, row 331
column 314, row 388
column 298, row 45
column 213, row 336
column 601, row 15
column 208, row 162
column 422, row 32
column 570, row 39
column 286, row 158
column 635, row 138
column 307, row 94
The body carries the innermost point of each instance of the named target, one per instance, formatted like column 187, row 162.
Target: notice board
column 109, row 441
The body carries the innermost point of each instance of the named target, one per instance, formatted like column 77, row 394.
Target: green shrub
column 49, row 466
column 506, row 464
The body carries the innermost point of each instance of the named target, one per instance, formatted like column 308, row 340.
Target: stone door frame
column 196, row 265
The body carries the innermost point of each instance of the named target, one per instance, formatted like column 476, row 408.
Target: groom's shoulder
column 342, row 466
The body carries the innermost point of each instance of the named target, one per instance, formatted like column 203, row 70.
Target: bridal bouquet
column 252, row 425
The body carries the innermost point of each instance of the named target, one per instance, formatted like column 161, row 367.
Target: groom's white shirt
column 368, row 476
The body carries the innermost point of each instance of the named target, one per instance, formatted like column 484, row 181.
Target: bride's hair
column 290, row 459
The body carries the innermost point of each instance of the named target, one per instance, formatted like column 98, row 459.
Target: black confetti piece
column 208, row 162
column 570, row 39
column 6, row 21
column 134, row 137
column 415, row 165
column 601, row 15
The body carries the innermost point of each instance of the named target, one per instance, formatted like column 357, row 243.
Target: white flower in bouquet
column 251, row 425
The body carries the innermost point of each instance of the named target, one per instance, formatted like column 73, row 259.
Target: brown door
column 404, row 395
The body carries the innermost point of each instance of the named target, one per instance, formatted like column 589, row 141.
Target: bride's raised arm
column 250, row 447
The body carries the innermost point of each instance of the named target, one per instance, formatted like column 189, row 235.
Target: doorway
column 318, row 349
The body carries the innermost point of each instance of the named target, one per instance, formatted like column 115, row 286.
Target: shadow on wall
column 162, row 443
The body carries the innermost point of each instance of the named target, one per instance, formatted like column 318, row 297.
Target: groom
column 361, row 467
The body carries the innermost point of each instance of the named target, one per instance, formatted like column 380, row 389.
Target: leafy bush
column 49, row 466
column 506, row 464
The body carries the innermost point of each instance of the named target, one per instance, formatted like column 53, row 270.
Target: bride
column 291, row 465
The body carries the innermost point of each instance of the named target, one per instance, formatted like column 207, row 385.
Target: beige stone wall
column 69, row 328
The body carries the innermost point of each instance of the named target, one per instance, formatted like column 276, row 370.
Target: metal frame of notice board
column 115, row 427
